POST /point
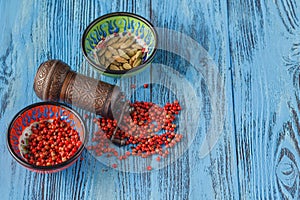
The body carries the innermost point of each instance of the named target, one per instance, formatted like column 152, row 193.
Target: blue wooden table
column 241, row 61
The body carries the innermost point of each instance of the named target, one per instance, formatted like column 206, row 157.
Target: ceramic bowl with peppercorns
column 46, row 137
column 119, row 43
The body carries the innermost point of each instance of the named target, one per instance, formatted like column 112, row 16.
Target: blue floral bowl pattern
column 119, row 23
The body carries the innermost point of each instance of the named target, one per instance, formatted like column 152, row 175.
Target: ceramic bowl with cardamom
column 120, row 43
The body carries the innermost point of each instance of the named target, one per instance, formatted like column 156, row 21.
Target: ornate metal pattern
column 56, row 82
column 49, row 79
column 88, row 94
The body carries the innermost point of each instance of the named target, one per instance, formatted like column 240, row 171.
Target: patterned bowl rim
column 52, row 167
column 119, row 72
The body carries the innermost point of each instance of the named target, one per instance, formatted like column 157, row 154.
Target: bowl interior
column 123, row 24
column 40, row 112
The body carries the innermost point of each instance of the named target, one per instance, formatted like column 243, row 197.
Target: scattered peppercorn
column 146, row 85
column 148, row 130
column 114, row 165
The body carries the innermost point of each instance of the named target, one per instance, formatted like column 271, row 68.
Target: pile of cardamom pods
column 120, row 53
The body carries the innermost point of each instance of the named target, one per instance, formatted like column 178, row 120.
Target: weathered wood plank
column 213, row 177
column 265, row 95
column 124, row 184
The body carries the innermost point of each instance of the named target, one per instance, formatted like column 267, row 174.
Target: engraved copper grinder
column 55, row 81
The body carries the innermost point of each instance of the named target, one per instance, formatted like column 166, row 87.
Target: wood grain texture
column 201, row 22
column 265, row 66
column 255, row 48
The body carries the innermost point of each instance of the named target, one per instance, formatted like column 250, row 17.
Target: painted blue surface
column 248, row 68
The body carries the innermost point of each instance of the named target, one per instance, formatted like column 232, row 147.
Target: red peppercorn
column 142, row 130
column 146, row 85
column 41, row 150
column 114, row 165
column 149, row 168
